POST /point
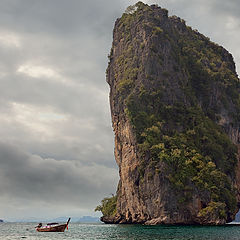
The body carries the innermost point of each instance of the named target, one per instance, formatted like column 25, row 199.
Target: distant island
column 83, row 219
column 237, row 217
column 89, row 219
column 175, row 108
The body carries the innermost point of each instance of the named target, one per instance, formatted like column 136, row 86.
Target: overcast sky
column 56, row 147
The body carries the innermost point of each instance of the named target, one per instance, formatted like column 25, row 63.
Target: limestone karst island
column 175, row 109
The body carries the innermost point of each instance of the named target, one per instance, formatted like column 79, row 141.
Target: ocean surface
column 133, row 232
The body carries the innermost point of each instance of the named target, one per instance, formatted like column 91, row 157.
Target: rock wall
column 157, row 62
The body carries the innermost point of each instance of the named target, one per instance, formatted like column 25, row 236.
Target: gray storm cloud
column 27, row 176
column 38, row 178
column 56, row 144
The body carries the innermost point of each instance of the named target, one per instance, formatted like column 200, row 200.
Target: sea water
column 134, row 232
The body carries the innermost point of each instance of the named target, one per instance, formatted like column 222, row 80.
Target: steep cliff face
column 175, row 105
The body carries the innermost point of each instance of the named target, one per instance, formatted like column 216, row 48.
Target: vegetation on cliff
column 178, row 89
column 108, row 206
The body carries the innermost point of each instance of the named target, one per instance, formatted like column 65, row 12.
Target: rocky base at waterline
column 110, row 220
column 160, row 221
column 175, row 107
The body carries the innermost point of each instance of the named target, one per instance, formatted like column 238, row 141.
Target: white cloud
column 30, row 113
column 232, row 23
column 37, row 71
column 9, row 39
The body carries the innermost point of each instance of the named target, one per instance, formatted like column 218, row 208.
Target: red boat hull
column 59, row 228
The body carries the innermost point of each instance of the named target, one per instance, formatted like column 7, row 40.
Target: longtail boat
column 52, row 227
